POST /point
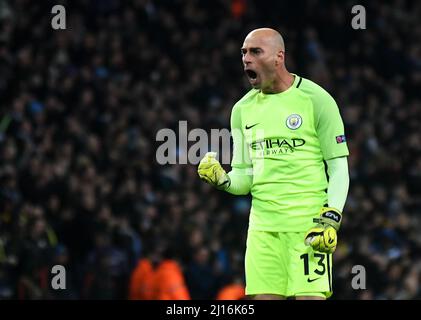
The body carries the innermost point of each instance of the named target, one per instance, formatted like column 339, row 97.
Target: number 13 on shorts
column 316, row 273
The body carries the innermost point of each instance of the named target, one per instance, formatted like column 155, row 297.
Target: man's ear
column 280, row 57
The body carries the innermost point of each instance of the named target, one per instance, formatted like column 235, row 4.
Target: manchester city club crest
column 294, row 121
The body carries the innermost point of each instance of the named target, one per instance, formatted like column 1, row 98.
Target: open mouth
column 251, row 74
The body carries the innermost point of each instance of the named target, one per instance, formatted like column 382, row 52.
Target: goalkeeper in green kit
column 285, row 130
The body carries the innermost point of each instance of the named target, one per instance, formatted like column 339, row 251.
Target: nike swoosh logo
column 311, row 280
column 249, row 127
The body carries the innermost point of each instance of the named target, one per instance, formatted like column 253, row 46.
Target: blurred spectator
column 142, row 281
column 200, row 276
column 169, row 279
column 234, row 290
column 107, row 270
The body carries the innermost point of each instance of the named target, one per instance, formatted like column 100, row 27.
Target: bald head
column 269, row 36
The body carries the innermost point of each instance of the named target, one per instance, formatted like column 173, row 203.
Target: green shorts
column 280, row 263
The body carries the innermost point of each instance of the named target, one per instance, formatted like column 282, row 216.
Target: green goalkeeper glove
column 211, row 171
column 323, row 237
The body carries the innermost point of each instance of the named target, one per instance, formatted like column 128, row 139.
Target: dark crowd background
column 80, row 109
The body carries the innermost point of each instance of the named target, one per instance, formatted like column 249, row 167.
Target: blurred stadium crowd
column 79, row 113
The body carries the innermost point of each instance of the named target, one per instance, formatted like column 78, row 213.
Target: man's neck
column 283, row 82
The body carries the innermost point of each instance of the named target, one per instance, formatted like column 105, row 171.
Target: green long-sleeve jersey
column 284, row 139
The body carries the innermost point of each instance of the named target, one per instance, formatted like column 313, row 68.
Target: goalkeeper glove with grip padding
column 211, row 171
column 323, row 237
